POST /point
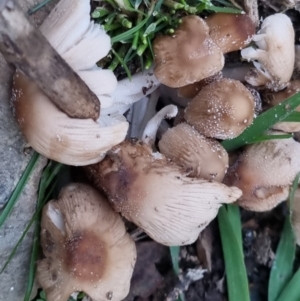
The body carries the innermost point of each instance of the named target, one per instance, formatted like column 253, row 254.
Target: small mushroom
column 222, row 110
column 200, row 156
column 156, row 194
column 275, row 98
column 188, row 56
column 296, row 215
column 230, row 32
column 86, row 247
column 264, row 173
column 275, row 56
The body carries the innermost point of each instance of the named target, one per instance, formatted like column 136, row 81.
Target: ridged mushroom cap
column 264, row 173
column 275, row 56
column 222, row 110
column 200, row 156
column 187, row 56
column 230, row 32
column 86, row 247
column 156, row 194
column 275, row 98
column 296, row 215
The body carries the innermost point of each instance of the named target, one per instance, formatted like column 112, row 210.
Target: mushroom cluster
column 172, row 194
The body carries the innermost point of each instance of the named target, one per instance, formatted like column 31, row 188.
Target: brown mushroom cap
column 264, row 172
column 200, row 156
column 188, row 56
column 155, row 193
column 222, row 110
column 230, row 32
column 275, row 98
column 86, row 247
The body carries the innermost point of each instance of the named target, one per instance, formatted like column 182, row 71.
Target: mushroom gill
column 156, row 194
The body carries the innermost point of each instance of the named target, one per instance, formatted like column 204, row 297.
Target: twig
column 25, row 47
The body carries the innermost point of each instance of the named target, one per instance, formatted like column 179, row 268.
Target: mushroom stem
column 25, row 47
column 151, row 128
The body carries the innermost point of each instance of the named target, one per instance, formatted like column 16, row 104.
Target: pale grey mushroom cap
column 156, row 194
column 86, row 247
column 264, row 173
column 274, row 59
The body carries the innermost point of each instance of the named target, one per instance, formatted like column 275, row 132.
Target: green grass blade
column 282, row 269
column 294, row 117
column 175, row 258
column 38, row 7
column 291, row 291
column 263, row 122
column 226, row 10
column 19, row 188
column 124, row 65
column 129, row 33
column 269, row 137
column 233, row 213
column 236, row 276
column 48, row 174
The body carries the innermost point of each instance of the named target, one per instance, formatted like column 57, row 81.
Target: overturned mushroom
column 275, row 56
column 230, row 32
column 264, row 173
column 156, row 194
column 86, row 247
column 47, row 129
column 188, row 56
column 199, row 156
column 275, row 98
column 222, row 110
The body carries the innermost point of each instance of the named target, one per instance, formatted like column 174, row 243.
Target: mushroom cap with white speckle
column 222, row 110
column 200, row 156
column 264, row 173
column 187, row 56
column 86, row 247
column 156, row 194
column 230, row 32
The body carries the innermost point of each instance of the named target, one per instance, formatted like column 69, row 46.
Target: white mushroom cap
column 200, row 156
column 264, row 173
column 275, row 56
column 86, row 247
column 58, row 137
column 156, row 194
